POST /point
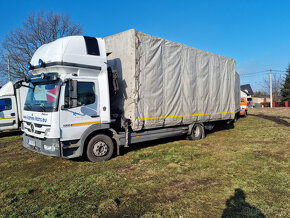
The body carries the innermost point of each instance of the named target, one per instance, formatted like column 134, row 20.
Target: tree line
column 285, row 90
column 39, row 28
column 280, row 87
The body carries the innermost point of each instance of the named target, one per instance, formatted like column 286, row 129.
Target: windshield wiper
column 28, row 106
column 42, row 107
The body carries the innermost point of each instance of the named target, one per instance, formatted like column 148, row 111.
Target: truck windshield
column 42, row 96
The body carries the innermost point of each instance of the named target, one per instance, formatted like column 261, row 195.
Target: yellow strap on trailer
column 187, row 115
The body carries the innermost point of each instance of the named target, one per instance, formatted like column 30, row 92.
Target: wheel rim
column 100, row 149
column 197, row 132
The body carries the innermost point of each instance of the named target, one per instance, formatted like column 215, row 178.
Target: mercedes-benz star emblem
column 32, row 127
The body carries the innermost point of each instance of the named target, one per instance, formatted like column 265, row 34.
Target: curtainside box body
column 164, row 83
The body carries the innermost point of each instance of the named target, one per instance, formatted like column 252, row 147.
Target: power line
column 280, row 70
column 270, row 74
column 254, row 73
column 260, row 72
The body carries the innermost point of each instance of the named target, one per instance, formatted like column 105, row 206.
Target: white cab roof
column 7, row 89
column 71, row 49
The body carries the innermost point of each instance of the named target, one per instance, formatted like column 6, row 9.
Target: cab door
column 74, row 121
column 8, row 113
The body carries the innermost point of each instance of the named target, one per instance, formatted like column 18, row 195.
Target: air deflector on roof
column 92, row 46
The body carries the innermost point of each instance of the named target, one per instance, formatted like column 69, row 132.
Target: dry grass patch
column 167, row 178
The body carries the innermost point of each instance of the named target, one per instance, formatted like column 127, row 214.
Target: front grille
column 37, row 125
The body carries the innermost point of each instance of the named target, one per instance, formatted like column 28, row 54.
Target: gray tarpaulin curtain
column 164, row 83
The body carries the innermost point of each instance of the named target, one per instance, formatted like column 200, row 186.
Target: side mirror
column 73, row 93
column 18, row 85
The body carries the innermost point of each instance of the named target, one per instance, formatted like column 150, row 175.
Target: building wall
column 259, row 100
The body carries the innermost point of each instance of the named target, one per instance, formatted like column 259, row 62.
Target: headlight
column 53, row 147
column 49, row 147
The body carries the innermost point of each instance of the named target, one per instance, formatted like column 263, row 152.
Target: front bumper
column 49, row 147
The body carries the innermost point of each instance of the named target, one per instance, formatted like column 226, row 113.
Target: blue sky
column 256, row 33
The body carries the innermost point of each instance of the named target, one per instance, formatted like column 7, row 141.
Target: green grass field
column 238, row 172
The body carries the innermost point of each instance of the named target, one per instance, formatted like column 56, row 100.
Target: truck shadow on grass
column 220, row 127
column 10, row 133
column 142, row 145
column 276, row 119
column 135, row 147
column 236, row 206
column 138, row 146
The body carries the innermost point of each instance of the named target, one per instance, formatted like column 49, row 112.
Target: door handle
column 12, row 114
column 93, row 116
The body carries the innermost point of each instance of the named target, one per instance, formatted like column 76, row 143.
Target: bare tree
column 277, row 82
column 39, row 28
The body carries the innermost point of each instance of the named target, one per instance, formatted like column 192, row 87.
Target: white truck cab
column 12, row 98
column 69, row 92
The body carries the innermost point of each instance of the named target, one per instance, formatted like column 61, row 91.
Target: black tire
column 196, row 132
column 100, row 148
column 236, row 118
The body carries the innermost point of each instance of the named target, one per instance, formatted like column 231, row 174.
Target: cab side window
column 5, row 104
column 86, row 94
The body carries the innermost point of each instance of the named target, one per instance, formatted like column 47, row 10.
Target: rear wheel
column 196, row 132
column 236, row 117
column 100, row 148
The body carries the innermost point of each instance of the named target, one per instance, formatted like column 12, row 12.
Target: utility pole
column 271, row 97
column 9, row 75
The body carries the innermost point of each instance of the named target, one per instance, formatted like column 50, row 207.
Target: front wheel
column 100, row 148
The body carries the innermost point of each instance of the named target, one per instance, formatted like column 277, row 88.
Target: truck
column 93, row 96
column 244, row 104
column 12, row 98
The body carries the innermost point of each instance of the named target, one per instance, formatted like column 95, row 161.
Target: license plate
column 31, row 142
